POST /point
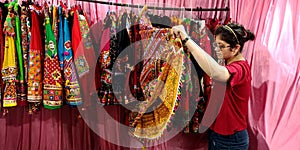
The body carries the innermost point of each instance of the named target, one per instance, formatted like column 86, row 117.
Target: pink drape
column 275, row 61
column 273, row 109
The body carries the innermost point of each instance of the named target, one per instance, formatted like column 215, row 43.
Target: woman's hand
column 179, row 31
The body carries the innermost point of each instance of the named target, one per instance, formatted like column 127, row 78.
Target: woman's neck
column 235, row 58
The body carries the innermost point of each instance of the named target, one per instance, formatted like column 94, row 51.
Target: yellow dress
column 9, row 69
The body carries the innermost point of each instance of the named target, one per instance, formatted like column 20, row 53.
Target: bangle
column 185, row 40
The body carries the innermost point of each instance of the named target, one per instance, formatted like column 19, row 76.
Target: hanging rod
column 157, row 8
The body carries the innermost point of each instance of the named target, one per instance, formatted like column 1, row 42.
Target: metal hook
column 216, row 12
column 191, row 13
column 109, row 3
column 200, row 13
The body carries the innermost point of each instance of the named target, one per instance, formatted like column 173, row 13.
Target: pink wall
column 275, row 61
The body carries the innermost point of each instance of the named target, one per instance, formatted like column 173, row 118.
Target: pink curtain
column 275, row 61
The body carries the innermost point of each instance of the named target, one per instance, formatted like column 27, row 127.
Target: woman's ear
column 236, row 49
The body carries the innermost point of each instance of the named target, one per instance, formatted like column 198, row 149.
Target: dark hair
column 234, row 33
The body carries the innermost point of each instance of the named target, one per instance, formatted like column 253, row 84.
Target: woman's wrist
column 185, row 40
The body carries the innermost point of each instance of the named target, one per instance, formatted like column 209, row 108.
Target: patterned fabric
column 84, row 55
column 80, row 34
column 35, row 92
column 199, row 32
column 113, row 39
column 138, row 52
column 21, row 90
column 166, row 88
column 53, row 92
column 24, row 36
column 72, row 88
column 55, row 21
column 61, row 39
column 152, row 52
column 105, row 62
column 9, row 70
column 103, row 75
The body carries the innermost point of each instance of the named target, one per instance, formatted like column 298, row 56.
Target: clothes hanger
column 215, row 17
column 191, row 13
column 108, row 12
column 228, row 19
column 201, row 14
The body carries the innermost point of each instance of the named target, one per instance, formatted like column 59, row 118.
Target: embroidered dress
column 25, row 44
column 9, row 70
column 53, row 92
column 105, row 62
column 72, row 88
column 21, row 90
column 35, row 92
column 103, row 75
column 84, row 55
column 151, row 125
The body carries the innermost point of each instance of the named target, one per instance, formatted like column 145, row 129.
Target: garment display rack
column 157, row 8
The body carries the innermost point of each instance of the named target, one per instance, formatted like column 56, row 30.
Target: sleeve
column 236, row 73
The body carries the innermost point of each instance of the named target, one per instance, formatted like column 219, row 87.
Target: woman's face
column 223, row 50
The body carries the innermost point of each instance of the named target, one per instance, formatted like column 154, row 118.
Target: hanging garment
column 81, row 43
column 1, row 52
column 199, row 32
column 142, row 31
column 105, row 62
column 35, row 92
column 55, row 22
column 61, row 39
column 138, row 53
column 103, row 75
column 9, row 70
column 53, row 91
column 25, row 44
column 120, row 71
column 72, row 88
column 166, row 88
column 84, row 55
column 21, row 90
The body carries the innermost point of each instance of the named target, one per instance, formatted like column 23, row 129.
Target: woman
column 229, row 128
